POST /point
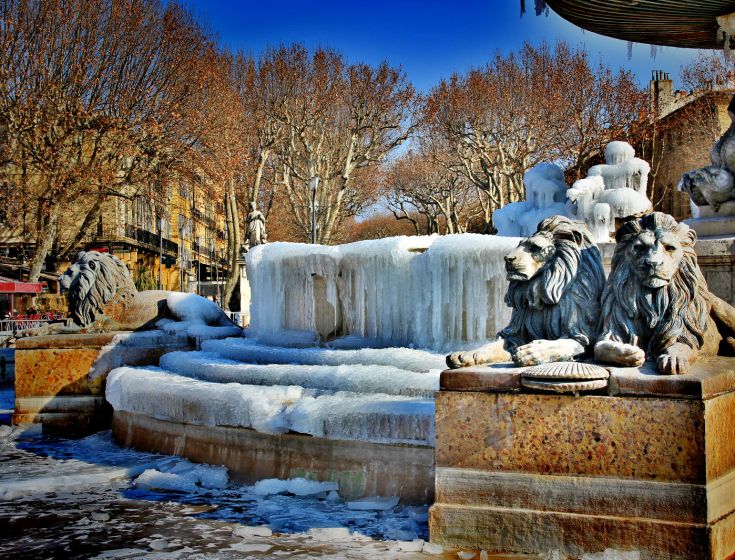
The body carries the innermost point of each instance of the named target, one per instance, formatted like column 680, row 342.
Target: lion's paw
column 461, row 359
column 672, row 365
column 619, row 353
column 544, row 351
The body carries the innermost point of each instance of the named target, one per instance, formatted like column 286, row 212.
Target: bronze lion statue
column 656, row 303
column 555, row 284
column 103, row 298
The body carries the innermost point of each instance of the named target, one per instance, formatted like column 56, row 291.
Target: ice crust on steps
column 431, row 292
column 247, row 350
column 376, row 418
column 357, row 378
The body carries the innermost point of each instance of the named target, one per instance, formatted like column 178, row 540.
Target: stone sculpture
column 656, row 303
column 712, row 188
column 256, row 227
column 556, row 281
column 103, row 298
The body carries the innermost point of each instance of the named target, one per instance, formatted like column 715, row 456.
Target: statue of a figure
column 256, row 227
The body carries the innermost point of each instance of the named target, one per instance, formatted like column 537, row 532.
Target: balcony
column 135, row 236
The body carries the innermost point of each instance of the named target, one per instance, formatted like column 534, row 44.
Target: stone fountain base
column 60, row 379
column 360, row 468
column 646, row 464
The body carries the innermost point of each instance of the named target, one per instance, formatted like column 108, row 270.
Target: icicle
column 542, row 8
column 725, row 30
column 654, row 50
column 630, row 50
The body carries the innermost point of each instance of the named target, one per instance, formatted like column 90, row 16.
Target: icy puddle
column 90, row 498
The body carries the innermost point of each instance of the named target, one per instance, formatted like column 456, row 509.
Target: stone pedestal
column 60, row 379
column 646, row 464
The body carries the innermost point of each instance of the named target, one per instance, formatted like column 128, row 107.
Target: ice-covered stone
column 615, row 189
column 295, row 486
column 376, row 503
column 246, row 532
column 545, row 197
column 429, row 292
column 157, row 480
column 359, row 378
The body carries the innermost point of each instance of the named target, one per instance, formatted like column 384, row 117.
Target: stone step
column 356, row 378
column 273, row 409
column 249, row 351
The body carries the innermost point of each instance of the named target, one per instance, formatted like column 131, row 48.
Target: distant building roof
column 676, row 23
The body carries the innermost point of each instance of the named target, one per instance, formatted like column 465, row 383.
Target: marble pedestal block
column 646, row 464
column 60, row 379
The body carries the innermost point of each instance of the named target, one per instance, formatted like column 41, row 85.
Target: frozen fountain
column 615, row 189
column 545, row 197
column 336, row 376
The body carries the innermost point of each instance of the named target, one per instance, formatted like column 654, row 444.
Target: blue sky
column 430, row 39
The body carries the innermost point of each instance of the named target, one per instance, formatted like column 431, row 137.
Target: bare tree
column 98, row 96
column 496, row 122
column 340, row 121
column 419, row 189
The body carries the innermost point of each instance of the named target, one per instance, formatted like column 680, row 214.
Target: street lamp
column 199, row 265
column 181, row 255
column 213, row 256
column 313, row 183
column 160, row 253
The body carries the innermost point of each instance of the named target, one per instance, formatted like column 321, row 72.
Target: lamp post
column 313, row 183
column 213, row 256
column 181, row 255
column 199, row 265
column 160, row 253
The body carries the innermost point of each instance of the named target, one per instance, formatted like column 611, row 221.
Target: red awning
column 10, row 287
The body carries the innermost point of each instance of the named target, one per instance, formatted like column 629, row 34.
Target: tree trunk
column 44, row 240
column 233, row 243
column 90, row 220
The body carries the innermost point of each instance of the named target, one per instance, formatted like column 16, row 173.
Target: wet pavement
column 80, row 499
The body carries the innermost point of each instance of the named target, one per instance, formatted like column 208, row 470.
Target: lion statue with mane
column 555, row 284
column 103, row 298
column 656, row 303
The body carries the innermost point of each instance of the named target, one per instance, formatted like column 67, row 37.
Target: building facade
column 685, row 127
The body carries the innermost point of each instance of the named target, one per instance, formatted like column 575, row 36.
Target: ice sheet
column 208, row 366
column 248, row 350
column 272, row 409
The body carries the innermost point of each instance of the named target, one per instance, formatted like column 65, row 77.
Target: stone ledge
column 89, row 340
column 531, row 531
column 617, row 497
column 710, row 377
column 360, row 468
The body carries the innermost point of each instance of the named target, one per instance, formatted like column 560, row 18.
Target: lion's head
column 92, row 281
column 556, row 278
column 654, row 296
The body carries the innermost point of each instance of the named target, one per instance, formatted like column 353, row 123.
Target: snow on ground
column 247, row 350
column 377, row 418
column 357, row 378
column 124, row 510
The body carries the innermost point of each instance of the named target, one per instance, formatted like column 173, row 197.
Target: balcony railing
column 135, row 236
